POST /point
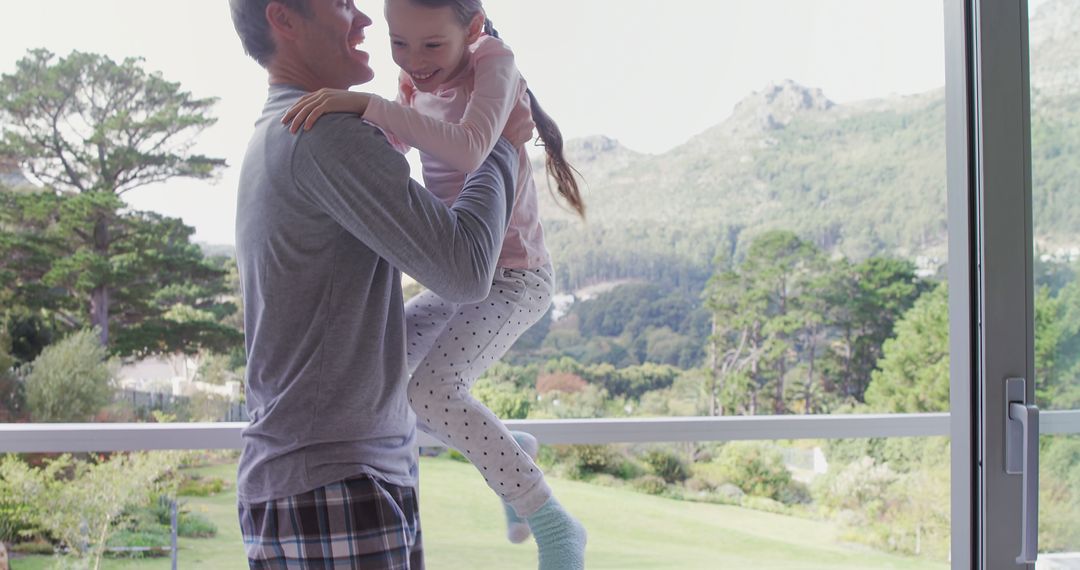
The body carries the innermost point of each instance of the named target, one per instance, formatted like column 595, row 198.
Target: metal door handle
column 1022, row 458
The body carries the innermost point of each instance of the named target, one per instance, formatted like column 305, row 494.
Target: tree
column 914, row 369
column 89, row 126
column 913, row 374
column 782, row 266
column 761, row 313
column 1057, row 348
column 12, row 392
column 164, row 296
column 865, row 301
column 69, row 382
column 25, row 258
column 736, row 341
column 564, row 382
column 634, row 381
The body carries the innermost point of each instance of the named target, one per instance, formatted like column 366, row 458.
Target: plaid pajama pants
column 359, row 523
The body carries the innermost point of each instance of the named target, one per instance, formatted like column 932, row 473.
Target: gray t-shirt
column 325, row 220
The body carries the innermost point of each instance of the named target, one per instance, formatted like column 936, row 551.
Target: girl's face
column 430, row 44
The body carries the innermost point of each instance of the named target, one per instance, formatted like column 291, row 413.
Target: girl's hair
column 557, row 166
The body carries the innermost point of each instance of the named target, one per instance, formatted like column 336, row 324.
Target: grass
column 463, row 530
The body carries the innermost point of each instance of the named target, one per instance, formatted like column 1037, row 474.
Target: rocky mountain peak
column 593, row 147
column 775, row 106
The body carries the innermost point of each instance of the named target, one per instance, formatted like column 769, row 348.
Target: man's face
column 329, row 42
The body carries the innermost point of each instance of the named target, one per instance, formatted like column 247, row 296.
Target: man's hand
column 314, row 105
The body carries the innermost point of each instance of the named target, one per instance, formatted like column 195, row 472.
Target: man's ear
column 476, row 27
column 282, row 19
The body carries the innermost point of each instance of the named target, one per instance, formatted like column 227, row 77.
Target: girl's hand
column 314, row 105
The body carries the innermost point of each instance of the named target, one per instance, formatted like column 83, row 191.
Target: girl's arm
column 463, row 146
column 406, row 90
column 307, row 111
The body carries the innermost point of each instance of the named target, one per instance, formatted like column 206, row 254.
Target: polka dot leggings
column 449, row 347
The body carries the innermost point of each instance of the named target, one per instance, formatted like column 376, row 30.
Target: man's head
column 309, row 43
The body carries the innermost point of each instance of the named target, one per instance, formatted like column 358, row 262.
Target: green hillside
column 858, row 179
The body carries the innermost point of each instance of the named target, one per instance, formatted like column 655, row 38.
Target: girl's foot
column 517, row 530
column 560, row 538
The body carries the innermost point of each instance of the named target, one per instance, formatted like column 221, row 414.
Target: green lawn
column 463, row 530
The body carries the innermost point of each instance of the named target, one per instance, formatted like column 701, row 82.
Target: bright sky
column 650, row 74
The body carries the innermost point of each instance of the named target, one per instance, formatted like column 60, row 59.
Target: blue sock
column 517, row 530
column 560, row 538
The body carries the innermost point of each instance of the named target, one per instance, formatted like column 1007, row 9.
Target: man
column 325, row 220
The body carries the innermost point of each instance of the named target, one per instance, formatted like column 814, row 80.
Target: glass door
column 1054, row 95
column 1017, row 174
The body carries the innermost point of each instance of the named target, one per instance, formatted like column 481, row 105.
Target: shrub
column 901, row 512
column 16, row 513
column 666, row 464
column 584, row 460
column 764, row 504
column 196, row 486
column 796, row 493
column 194, row 525
column 709, row 471
column 730, row 493
column 146, row 519
column 756, row 468
column 156, row 518
column 629, row 469
column 650, row 484
column 699, row 485
column 69, row 381
column 861, row 486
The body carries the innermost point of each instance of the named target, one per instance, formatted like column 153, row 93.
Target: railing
column 46, row 438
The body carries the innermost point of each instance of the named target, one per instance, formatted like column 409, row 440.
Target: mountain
column 857, row 179
column 1054, row 49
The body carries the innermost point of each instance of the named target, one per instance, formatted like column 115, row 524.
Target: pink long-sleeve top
column 456, row 126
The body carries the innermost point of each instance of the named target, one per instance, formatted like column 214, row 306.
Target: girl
column 459, row 91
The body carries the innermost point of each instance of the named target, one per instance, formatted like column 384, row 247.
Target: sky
column 649, row 74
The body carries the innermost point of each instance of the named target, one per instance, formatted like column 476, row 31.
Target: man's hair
column 249, row 19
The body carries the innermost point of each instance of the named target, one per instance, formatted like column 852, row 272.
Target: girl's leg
column 517, row 530
column 475, row 337
column 439, row 393
column 426, row 316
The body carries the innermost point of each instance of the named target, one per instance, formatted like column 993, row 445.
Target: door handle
column 1022, row 458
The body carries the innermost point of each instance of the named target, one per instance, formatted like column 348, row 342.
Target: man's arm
column 465, row 144
column 348, row 169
